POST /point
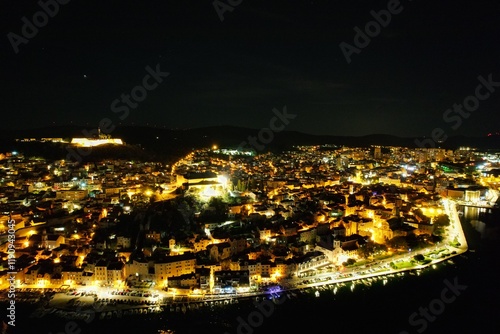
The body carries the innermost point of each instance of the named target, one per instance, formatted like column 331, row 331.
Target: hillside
column 167, row 144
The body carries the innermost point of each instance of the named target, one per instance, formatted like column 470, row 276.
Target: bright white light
column 222, row 180
column 210, row 192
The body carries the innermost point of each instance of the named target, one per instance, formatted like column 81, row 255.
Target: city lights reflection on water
column 486, row 221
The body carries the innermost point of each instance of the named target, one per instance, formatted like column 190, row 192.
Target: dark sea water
column 367, row 309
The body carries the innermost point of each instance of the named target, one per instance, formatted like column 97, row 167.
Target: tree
column 218, row 205
column 349, row 262
column 371, row 248
column 439, row 231
column 398, row 243
column 442, row 220
column 240, row 185
column 419, row 257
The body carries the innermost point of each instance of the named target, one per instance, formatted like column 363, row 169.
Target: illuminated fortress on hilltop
column 102, row 139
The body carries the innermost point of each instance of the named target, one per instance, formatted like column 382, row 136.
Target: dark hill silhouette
column 169, row 144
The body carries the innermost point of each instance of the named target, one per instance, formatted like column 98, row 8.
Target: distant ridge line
column 232, row 136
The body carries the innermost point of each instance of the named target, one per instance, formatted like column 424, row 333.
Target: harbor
column 90, row 306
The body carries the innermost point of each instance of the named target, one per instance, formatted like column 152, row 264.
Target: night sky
column 263, row 55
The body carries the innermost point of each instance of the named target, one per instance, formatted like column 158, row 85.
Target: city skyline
column 211, row 64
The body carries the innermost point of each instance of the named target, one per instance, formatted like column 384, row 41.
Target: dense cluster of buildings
column 219, row 221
